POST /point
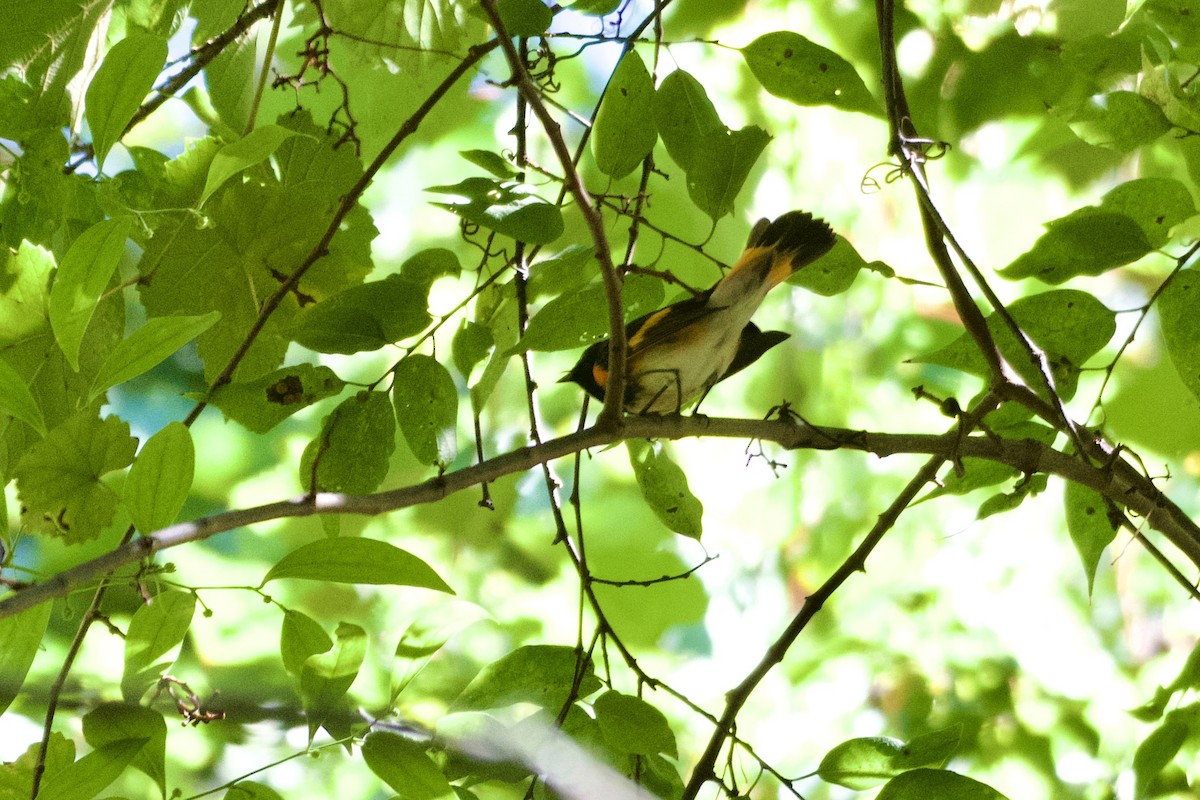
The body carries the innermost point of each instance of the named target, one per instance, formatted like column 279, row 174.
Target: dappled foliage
column 295, row 501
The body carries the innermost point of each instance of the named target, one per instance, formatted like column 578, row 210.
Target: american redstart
column 678, row 353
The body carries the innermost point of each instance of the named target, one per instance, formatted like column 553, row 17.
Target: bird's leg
column 662, row 390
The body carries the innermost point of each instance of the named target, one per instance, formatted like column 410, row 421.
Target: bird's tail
column 774, row 252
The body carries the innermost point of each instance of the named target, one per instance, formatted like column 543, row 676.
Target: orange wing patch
column 640, row 335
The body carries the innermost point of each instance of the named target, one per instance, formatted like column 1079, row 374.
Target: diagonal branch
column 348, row 201
column 704, row 770
column 201, row 57
column 614, row 396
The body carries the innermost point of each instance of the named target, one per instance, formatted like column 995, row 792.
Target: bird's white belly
column 672, row 374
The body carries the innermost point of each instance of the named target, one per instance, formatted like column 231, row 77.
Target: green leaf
column 631, row 725
column 82, row 278
column 923, row 784
column 23, row 281
column 1152, row 710
column 426, row 401
column 508, row 208
column 353, row 450
column 561, row 272
column 1157, row 751
column 1177, row 18
column 595, row 8
column 112, row 722
column 1076, row 18
column 664, row 486
column 426, row 266
column 494, row 163
column 404, row 765
column 867, row 762
column 160, row 478
column 524, row 17
column 1088, row 523
column 261, row 404
column 1104, row 57
column 1156, row 204
column 1014, row 74
column 935, row 747
column 147, row 347
column 365, row 317
column 1087, row 242
column 862, row 763
column 471, row 344
column 259, row 229
column 1070, row 326
column 1121, row 121
column 121, row 84
column 541, row 674
column 20, row 637
column 90, row 775
column 684, row 116
column 16, row 778
column 17, row 401
column 300, row 637
column 1189, row 674
column 833, row 273
column 1007, row 501
column 581, row 317
column 1181, row 325
column 254, row 148
column 153, row 640
column 793, row 68
column 252, row 790
column 496, row 307
column 425, row 635
column 624, row 132
column 58, row 478
column 722, row 162
column 352, row 559
column 326, row 677
column 21, row 113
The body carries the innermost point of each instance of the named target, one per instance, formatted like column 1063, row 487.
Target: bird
column 678, row 353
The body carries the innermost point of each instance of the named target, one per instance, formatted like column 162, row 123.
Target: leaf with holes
column 261, row 404
column 59, row 478
column 426, row 402
column 1089, row 525
column 722, row 162
column 793, row 68
column 624, row 133
column 665, row 488
column 684, row 116
column 354, row 448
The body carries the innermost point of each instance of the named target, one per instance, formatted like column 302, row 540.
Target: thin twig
column 345, row 206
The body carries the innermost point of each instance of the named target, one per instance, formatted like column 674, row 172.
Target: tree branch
column 1117, row 481
column 201, row 57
